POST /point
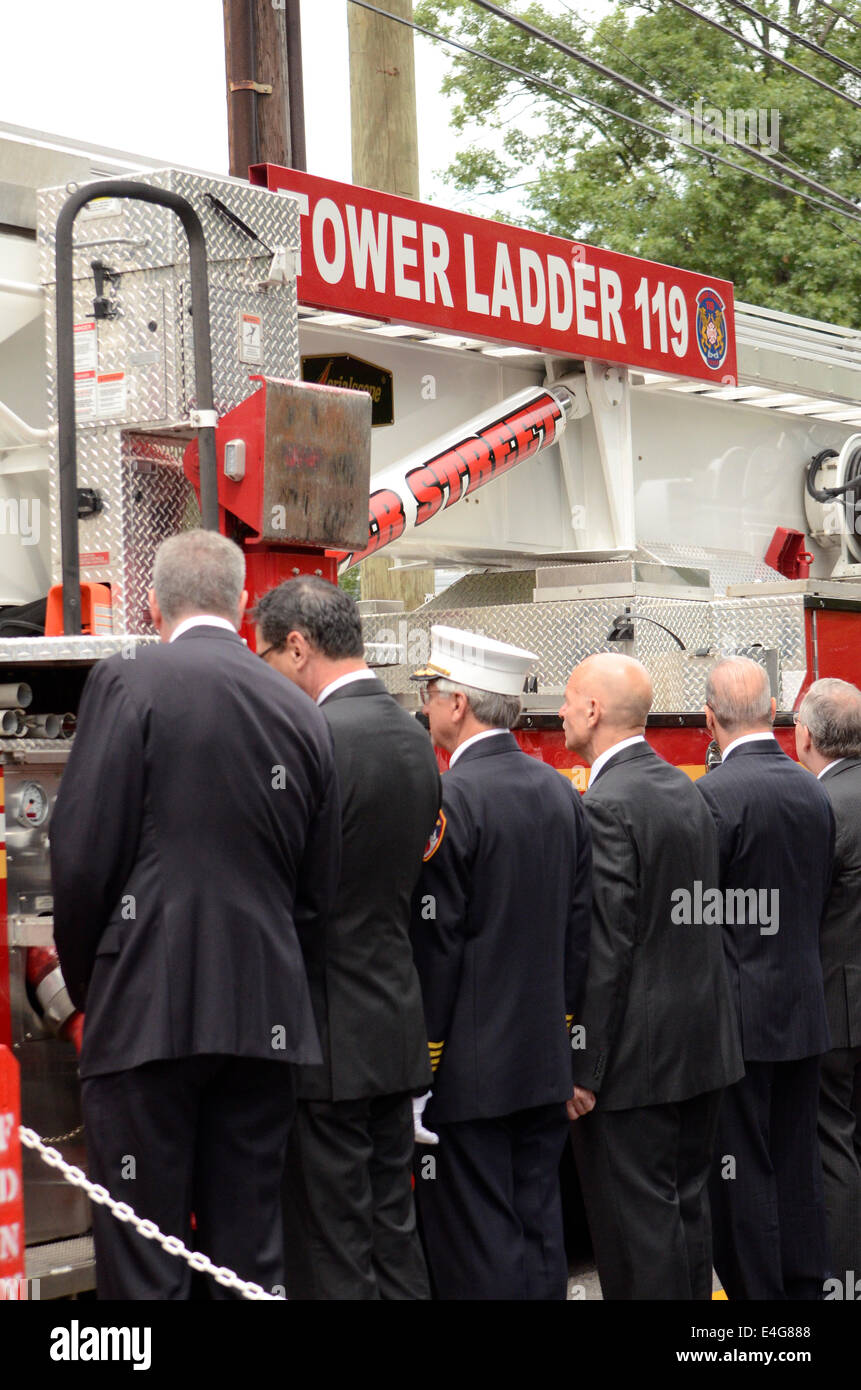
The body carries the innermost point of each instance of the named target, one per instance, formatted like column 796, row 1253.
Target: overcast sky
column 147, row 76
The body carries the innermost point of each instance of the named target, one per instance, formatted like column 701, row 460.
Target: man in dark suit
column 350, row 1229
column 501, row 932
column 196, row 828
column 659, row 1038
column 828, row 742
column 776, row 837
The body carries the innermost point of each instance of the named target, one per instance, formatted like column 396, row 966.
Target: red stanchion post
column 13, row 1284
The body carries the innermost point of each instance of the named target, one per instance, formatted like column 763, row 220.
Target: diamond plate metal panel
column 724, row 566
column 158, row 501
column 562, row 634
column 276, row 308
column 19, row 650
column 776, row 621
column 20, row 746
column 486, row 590
column 566, row 632
column 100, row 468
column 679, row 680
column 144, row 494
column 142, row 236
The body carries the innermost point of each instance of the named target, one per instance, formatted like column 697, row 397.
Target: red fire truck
column 595, row 452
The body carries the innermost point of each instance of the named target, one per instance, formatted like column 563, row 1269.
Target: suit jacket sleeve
column 319, row 868
column 580, row 914
column 440, row 916
column 615, row 887
column 96, row 823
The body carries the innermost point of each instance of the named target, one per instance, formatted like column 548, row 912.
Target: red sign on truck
column 12, row 1279
column 391, row 258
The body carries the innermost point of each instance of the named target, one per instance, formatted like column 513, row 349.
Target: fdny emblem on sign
column 711, row 328
column 435, row 840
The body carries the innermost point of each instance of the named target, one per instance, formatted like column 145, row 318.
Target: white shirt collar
column 201, row 620
column 467, row 743
column 828, row 767
column 348, row 679
column 744, row 738
column 608, row 753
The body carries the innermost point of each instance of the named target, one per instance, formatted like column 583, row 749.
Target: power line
column 766, row 53
column 661, row 77
column 566, row 98
column 657, row 100
column 839, row 13
column 796, row 37
column 689, row 89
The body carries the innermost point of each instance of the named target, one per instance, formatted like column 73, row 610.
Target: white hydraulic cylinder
column 411, row 492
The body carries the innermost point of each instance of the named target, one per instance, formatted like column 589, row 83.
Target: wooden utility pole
column 383, row 99
column 263, row 60
column 385, row 156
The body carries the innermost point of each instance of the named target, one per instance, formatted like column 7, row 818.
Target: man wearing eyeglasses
column 350, row 1229
column 501, row 920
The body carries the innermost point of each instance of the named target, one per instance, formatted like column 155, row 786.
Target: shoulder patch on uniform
column 435, row 840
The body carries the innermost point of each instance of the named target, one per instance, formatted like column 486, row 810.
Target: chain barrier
column 148, row 1229
column 63, row 1138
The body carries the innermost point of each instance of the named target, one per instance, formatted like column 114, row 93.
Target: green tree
column 350, row 582
column 563, row 167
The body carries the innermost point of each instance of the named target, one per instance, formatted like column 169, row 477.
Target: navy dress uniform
column 501, row 925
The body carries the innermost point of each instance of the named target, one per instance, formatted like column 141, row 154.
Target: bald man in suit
column 660, row 1038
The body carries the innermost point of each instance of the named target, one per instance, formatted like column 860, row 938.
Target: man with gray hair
column 828, row 742
column 776, row 838
column 196, row 831
column 501, row 935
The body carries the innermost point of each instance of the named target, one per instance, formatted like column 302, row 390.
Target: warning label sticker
column 250, row 339
column 85, row 395
column 112, row 393
column 86, row 364
column 86, row 346
column 102, row 207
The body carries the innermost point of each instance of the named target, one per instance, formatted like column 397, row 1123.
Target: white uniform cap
column 470, row 659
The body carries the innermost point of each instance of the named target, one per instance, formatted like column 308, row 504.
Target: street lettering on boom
column 490, row 451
